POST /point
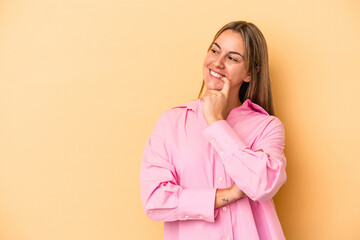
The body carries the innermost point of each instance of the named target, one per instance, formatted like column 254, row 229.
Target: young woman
column 211, row 166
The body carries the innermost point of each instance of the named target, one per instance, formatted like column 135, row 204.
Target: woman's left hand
column 214, row 103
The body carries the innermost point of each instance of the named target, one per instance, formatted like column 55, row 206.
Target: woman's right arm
column 162, row 197
column 227, row 196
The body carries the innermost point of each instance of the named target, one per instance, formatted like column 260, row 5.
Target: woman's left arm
column 258, row 172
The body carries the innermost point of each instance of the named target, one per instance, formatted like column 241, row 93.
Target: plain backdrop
column 82, row 84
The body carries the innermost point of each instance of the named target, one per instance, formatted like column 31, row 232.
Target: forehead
column 230, row 41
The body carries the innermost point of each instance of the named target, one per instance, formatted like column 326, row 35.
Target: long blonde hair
column 257, row 64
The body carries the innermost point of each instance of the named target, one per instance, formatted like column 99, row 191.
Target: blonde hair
column 258, row 90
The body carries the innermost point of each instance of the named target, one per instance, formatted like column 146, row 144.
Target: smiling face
column 226, row 58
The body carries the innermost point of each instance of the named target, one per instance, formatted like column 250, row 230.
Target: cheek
column 205, row 65
column 238, row 73
column 204, row 70
column 208, row 59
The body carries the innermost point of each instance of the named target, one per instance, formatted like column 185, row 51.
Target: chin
column 214, row 86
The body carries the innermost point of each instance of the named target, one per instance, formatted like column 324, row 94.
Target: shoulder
column 259, row 124
column 258, row 115
column 256, row 109
column 172, row 119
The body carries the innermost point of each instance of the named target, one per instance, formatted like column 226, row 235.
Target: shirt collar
column 253, row 106
column 193, row 105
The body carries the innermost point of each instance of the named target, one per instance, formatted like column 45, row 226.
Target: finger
column 226, row 87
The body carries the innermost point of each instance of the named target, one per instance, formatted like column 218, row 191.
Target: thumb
column 226, row 87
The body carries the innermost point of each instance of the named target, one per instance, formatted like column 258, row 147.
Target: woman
column 211, row 166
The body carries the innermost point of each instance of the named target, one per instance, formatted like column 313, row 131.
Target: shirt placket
column 222, row 180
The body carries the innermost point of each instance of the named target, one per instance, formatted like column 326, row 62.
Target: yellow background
column 82, row 84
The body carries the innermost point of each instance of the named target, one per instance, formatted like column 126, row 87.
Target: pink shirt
column 185, row 160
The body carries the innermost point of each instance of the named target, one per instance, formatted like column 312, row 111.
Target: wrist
column 212, row 120
column 235, row 192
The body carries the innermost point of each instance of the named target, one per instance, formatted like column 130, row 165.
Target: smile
column 215, row 74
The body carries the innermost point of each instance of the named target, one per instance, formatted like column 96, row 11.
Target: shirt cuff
column 197, row 204
column 223, row 138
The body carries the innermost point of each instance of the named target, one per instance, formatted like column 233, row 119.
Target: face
column 226, row 58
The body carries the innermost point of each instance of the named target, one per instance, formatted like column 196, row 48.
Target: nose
column 219, row 62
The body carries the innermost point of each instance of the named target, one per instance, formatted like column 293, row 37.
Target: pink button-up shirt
column 185, row 160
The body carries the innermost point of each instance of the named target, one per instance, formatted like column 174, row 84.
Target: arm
column 162, row 197
column 259, row 174
column 227, row 196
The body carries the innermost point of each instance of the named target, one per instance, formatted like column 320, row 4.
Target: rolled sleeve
column 197, row 204
column 259, row 174
column 163, row 198
column 223, row 138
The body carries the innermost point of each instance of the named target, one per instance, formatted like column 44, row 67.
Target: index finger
column 226, row 87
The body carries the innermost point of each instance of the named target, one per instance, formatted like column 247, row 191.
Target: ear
column 248, row 78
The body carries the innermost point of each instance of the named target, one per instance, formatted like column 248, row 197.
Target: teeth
column 216, row 74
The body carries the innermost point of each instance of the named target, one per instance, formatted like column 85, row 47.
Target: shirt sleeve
column 162, row 197
column 260, row 172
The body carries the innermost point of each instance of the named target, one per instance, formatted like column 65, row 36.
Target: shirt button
column 212, row 140
column 201, row 217
column 220, row 179
column 186, row 217
column 221, row 153
column 228, row 238
column 224, row 208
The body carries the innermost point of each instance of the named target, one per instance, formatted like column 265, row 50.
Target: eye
column 232, row 59
column 214, row 51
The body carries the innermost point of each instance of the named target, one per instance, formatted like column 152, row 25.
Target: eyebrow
column 233, row 52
